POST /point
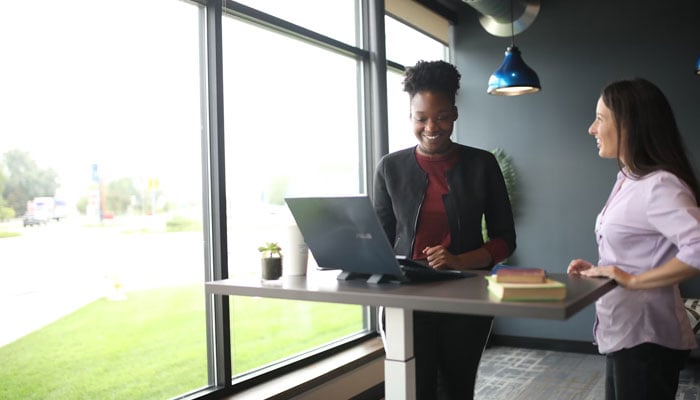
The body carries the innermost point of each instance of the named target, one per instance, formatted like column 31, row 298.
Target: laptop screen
column 345, row 233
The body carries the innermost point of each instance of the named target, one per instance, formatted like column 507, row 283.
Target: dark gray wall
column 576, row 47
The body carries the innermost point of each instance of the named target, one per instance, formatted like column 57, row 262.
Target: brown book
column 550, row 290
column 521, row 275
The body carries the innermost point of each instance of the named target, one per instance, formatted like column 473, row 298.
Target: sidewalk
column 53, row 271
column 30, row 311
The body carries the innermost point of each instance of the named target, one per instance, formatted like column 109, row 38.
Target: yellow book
column 550, row 290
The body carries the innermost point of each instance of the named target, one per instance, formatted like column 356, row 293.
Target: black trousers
column 644, row 372
column 447, row 349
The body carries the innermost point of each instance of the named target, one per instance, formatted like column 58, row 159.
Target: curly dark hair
column 435, row 76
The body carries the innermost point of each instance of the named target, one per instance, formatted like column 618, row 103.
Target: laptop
column 345, row 233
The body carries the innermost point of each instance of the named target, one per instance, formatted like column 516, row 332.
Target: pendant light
column 513, row 77
column 697, row 66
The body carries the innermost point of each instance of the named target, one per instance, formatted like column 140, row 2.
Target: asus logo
column 367, row 236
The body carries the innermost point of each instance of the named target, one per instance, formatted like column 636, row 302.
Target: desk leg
column 399, row 366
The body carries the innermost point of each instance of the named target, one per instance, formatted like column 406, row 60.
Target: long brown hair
column 647, row 131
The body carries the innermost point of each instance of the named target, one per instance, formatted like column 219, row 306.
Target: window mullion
column 218, row 326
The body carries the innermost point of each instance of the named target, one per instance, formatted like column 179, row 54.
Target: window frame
column 214, row 179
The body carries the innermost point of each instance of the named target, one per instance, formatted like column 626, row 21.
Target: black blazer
column 476, row 188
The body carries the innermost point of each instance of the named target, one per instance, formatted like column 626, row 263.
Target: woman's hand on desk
column 577, row 266
column 622, row 278
column 670, row 273
column 585, row 268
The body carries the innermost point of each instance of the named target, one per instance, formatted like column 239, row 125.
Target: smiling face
column 433, row 115
column 604, row 129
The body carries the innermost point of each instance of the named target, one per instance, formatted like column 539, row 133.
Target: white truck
column 41, row 210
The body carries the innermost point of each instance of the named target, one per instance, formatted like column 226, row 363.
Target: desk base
column 400, row 364
column 399, row 379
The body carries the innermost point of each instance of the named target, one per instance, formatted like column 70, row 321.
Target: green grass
column 153, row 345
column 269, row 329
column 4, row 234
column 182, row 224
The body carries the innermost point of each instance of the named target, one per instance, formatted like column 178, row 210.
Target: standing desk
column 461, row 296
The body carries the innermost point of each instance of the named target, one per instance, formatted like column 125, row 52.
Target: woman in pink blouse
column 648, row 236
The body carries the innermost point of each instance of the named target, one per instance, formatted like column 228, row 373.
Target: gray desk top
column 462, row 296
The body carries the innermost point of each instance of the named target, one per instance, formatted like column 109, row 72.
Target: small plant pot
column 271, row 268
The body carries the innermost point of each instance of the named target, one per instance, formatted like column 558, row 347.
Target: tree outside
column 24, row 180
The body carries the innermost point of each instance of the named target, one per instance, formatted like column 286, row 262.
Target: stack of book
column 524, row 284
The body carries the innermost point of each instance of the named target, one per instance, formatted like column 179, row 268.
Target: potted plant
column 271, row 260
column 510, row 179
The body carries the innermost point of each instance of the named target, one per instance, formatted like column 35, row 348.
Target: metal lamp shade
column 513, row 77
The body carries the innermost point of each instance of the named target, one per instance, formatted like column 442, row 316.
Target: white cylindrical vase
column 296, row 258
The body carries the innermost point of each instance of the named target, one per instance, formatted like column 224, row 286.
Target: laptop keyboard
column 417, row 272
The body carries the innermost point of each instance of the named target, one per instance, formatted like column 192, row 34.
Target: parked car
column 31, row 219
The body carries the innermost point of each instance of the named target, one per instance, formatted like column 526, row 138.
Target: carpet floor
column 509, row 373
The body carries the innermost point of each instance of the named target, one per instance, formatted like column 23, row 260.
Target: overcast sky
column 82, row 83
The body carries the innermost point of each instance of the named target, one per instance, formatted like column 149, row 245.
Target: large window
column 105, row 205
column 405, row 45
column 293, row 128
column 101, row 254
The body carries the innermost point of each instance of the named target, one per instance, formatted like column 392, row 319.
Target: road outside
column 51, row 271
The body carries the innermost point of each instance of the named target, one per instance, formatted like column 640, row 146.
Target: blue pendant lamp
column 513, row 77
column 697, row 66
